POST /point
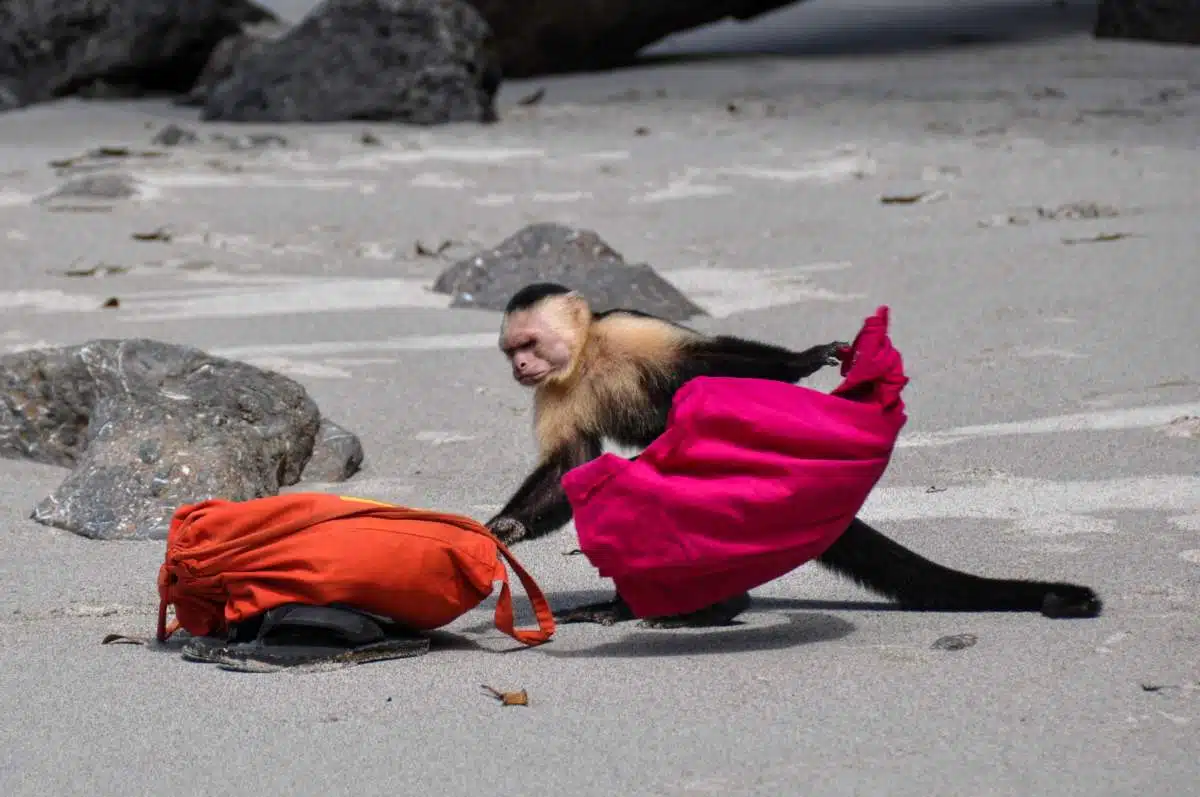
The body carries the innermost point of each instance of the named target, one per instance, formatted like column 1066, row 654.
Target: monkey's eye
column 514, row 348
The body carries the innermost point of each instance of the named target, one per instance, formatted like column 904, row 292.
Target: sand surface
column 1045, row 376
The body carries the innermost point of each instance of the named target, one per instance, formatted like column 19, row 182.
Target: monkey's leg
column 718, row 614
column 887, row 568
column 737, row 357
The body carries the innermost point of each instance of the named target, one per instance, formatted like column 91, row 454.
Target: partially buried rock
column 1184, row 426
column 954, row 642
column 421, row 62
column 117, row 48
column 579, row 259
column 174, row 136
column 103, row 187
column 147, row 426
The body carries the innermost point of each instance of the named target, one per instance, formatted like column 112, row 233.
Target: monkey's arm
column 729, row 356
column 539, row 505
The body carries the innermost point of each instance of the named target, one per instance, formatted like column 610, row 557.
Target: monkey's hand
column 836, row 352
column 806, row 363
column 508, row 530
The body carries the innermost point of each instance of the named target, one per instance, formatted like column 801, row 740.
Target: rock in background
column 227, row 55
column 148, row 426
column 535, row 37
column 579, row 259
column 337, row 455
column 59, row 48
column 1166, row 21
column 414, row 61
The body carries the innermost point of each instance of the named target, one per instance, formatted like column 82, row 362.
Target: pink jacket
column 751, row 479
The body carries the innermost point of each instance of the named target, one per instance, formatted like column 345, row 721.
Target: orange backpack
column 228, row 561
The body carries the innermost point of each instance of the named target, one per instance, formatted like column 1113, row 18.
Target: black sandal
column 298, row 634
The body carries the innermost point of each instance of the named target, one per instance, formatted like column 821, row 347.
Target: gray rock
column 337, row 455
column 226, row 57
column 174, row 136
column 421, row 62
column 147, row 426
column 1165, row 21
column 116, row 48
column 579, row 259
column 100, row 186
column 954, row 642
column 250, row 141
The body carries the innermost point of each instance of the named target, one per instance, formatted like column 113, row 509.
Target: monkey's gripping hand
column 508, row 530
column 837, row 352
column 804, row 364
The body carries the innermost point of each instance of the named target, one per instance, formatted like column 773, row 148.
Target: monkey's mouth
column 532, row 380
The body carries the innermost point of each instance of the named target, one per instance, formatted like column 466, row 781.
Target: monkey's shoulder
column 630, row 335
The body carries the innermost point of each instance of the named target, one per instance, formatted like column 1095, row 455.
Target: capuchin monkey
column 612, row 376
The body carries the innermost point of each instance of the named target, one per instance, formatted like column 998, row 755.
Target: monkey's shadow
column 807, row 622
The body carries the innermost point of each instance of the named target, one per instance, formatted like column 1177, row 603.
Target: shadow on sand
column 801, row 628
column 818, row 29
column 824, row 30
column 807, row 622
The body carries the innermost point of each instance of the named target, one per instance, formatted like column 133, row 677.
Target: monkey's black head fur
column 532, row 294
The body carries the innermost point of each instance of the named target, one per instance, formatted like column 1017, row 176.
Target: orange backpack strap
column 504, row 605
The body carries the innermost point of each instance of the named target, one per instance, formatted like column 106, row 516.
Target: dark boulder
column 147, row 426
column 579, row 259
column 226, row 57
column 536, row 37
column 337, row 455
column 59, row 48
column 414, row 61
column 1165, row 21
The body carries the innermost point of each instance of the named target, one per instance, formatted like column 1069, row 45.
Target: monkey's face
column 537, row 348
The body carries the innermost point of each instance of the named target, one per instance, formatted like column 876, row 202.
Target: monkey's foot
column 605, row 613
column 508, row 530
column 718, row 614
column 1069, row 601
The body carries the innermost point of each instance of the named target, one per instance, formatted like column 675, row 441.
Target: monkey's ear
column 579, row 305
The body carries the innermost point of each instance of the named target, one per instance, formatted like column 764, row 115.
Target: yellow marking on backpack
column 364, row 500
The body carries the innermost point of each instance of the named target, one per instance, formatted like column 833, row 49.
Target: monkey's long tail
column 912, row 581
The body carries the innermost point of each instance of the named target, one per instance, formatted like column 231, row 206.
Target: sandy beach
column 1044, row 294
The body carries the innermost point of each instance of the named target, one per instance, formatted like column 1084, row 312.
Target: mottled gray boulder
column 1166, row 21
column 147, row 426
column 59, row 48
column 536, row 37
column 579, row 259
column 226, row 57
column 421, row 62
column 337, row 455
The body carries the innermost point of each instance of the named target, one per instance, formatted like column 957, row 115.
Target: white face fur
column 539, row 342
